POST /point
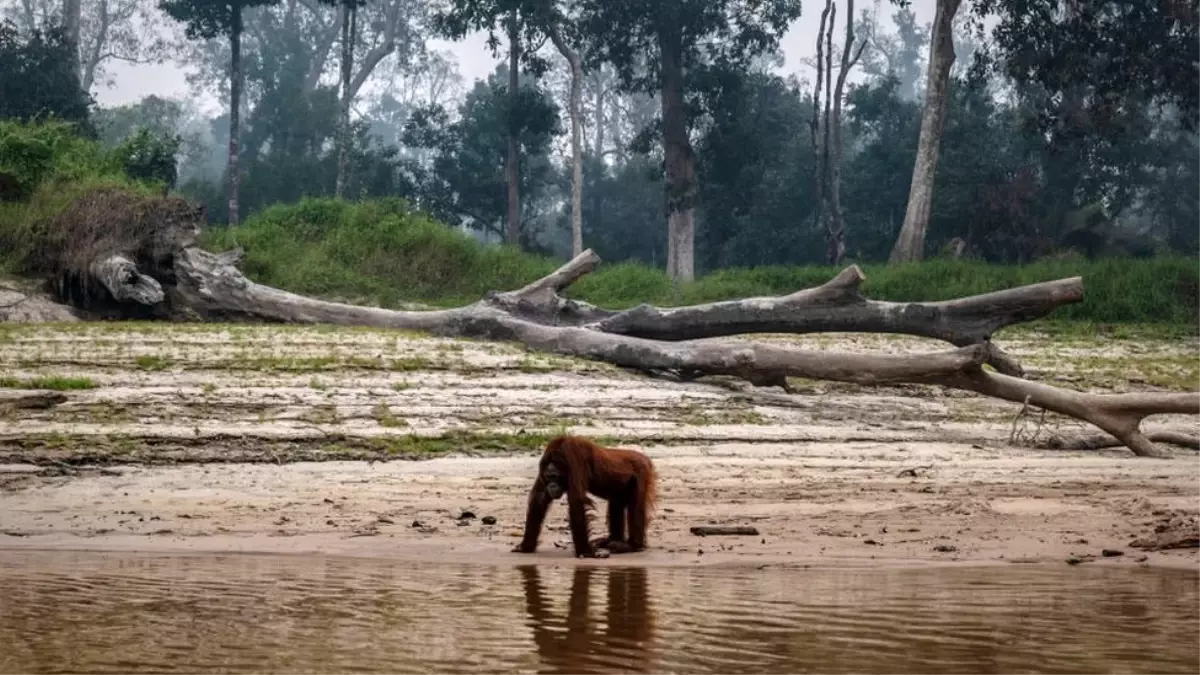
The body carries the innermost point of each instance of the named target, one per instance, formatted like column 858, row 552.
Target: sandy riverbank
column 836, row 475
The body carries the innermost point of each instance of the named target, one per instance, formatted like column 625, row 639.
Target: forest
column 1041, row 130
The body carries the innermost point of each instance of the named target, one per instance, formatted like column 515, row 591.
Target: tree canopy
column 1070, row 127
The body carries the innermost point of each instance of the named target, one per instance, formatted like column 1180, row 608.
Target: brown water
column 97, row 612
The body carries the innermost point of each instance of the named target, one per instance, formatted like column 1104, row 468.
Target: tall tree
column 512, row 160
column 103, row 30
column 910, row 245
column 465, row 180
column 72, row 14
column 466, row 16
column 654, row 44
column 836, row 238
column 901, row 53
column 553, row 21
column 38, row 77
column 348, row 9
column 208, row 19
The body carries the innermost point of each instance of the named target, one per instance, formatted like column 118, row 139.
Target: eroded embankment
column 140, row 454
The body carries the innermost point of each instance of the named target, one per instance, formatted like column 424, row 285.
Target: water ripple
column 94, row 612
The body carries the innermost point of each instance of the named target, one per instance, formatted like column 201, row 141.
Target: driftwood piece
column 1166, row 542
column 835, row 306
column 724, row 530
column 215, row 290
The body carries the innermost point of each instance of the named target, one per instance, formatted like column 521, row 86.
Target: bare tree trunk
column 512, row 169
column 837, row 220
column 235, row 101
column 349, row 18
column 815, row 125
column 826, row 131
column 207, row 285
column 71, row 21
column 910, row 245
column 680, row 159
column 576, row 141
column 598, row 151
column 92, row 59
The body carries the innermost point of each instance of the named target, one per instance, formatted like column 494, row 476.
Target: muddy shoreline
column 189, row 438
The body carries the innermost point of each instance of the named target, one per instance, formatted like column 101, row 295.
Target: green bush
column 47, row 152
column 380, row 251
column 46, row 167
column 149, row 157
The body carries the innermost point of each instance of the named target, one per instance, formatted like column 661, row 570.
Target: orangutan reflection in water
column 621, row 639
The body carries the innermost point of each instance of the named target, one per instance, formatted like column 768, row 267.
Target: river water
column 122, row 612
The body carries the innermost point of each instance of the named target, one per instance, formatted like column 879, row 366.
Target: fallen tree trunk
column 152, row 250
column 214, row 290
column 209, row 286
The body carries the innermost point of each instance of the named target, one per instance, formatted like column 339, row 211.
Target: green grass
column 381, row 252
column 152, row 362
column 377, row 250
column 54, row 383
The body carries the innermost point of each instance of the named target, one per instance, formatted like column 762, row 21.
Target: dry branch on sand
column 200, row 285
column 39, row 400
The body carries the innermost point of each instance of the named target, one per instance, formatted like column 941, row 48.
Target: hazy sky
column 132, row 82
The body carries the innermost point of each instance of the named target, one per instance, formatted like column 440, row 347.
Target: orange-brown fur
column 624, row 478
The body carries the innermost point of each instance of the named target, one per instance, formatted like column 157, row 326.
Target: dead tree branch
column 1102, row 441
column 838, row 306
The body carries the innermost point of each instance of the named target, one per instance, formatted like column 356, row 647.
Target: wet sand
column 203, row 438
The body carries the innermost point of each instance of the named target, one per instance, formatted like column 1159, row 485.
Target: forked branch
column 838, row 306
column 1120, row 415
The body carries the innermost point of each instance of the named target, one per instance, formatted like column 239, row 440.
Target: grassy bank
column 380, row 252
column 44, row 168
